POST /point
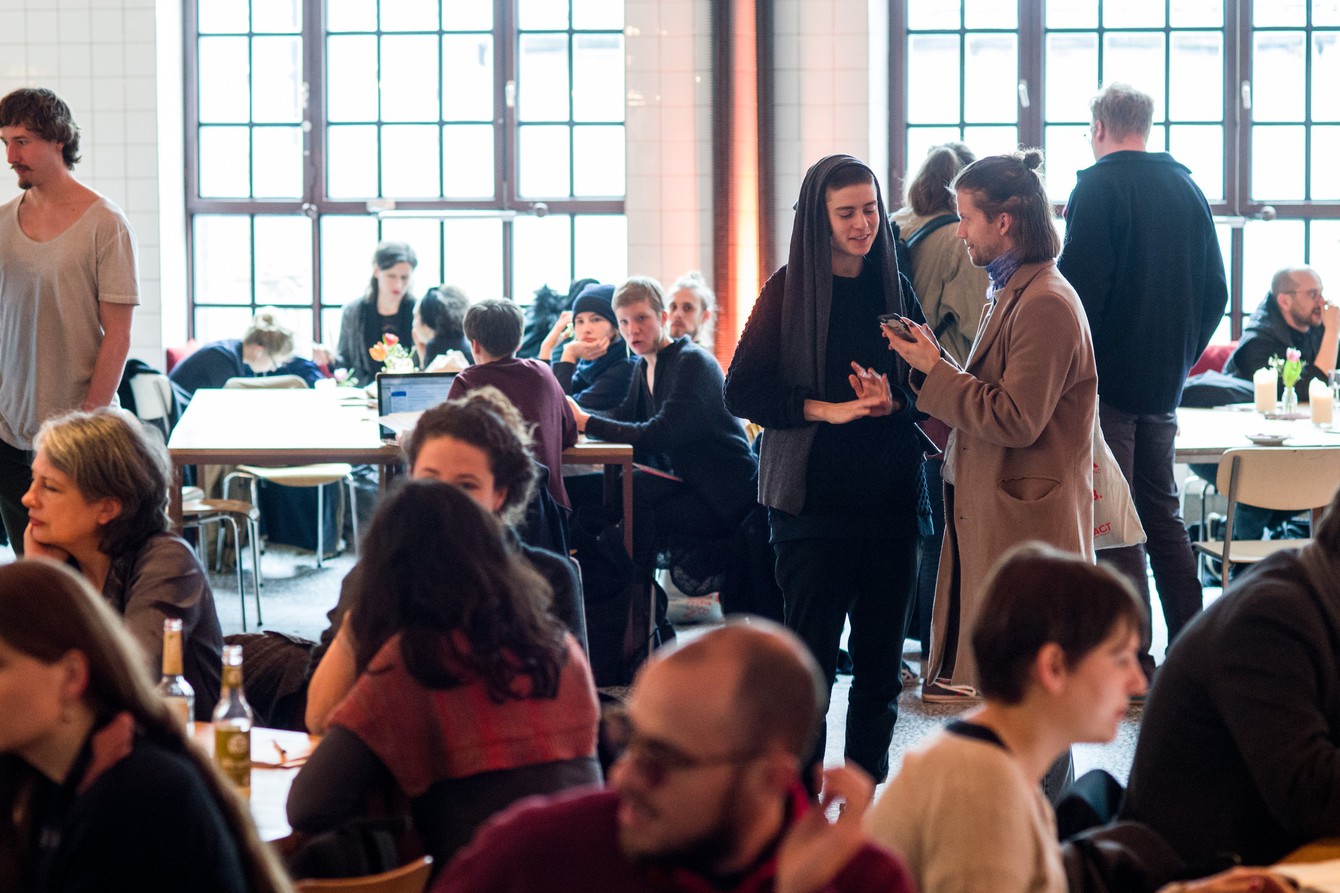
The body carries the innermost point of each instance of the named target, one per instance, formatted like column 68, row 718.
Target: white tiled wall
column 100, row 57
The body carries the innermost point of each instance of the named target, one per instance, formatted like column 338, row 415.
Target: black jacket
column 1268, row 335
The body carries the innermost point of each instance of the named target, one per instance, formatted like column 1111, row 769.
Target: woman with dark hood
column 840, row 468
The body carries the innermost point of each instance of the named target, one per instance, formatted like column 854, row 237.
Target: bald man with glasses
column 708, row 795
column 1294, row 314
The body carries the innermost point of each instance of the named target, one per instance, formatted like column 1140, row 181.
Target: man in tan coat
column 1019, row 464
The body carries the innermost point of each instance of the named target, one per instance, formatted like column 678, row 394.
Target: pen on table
column 283, row 754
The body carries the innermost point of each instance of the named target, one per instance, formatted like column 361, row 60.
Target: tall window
column 1240, row 91
column 488, row 135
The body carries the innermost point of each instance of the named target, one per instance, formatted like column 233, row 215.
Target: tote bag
column 1115, row 522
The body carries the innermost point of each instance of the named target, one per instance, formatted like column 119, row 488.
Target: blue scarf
column 1000, row 270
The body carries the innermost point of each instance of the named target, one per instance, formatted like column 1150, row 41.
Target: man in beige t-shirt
column 68, row 289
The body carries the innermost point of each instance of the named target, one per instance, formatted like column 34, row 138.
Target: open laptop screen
column 411, row 392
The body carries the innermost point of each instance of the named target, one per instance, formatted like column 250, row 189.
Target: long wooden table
column 1203, row 435
column 303, row 427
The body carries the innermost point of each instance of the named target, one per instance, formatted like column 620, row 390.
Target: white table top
column 1204, row 435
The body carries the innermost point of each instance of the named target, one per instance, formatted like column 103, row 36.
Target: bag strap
column 930, row 227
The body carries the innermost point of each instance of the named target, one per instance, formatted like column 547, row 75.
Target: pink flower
column 1293, row 355
column 391, row 339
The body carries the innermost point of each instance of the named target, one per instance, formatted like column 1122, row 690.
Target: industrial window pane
column 542, row 253
column 222, row 17
column 545, row 161
column 1325, row 173
column 473, row 257
column 1067, row 153
column 601, row 247
column 990, row 69
column 276, row 16
column 222, row 259
column 1278, row 163
column 542, row 15
column 543, row 77
column 224, row 74
column 1324, row 253
column 1072, row 14
column 1137, row 59
column 218, row 323
column 1325, row 13
column 934, row 100
column 598, row 161
column 425, row 237
column 921, row 139
column 931, row 15
column 467, row 161
column 467, row 77
column 409, row 78
column 597, row 77
column 1197, row 14
column 1133, row 14
column 278, row 162
column 276, row 88
column 1071, row 76
column 283, row 259
column 1325, row 76
column 347, row 244
column 991, row 140
column 351, row 78
column 351, row 169
column 1278, row 65
column 409, row 15
column 410, row 158
column 1201, row 148
column 596, row 15
column 351, row 15
column 1267, row 246
column 466, row 15
column 1196, row 76
column 990, row 14
column 225, row 162
column 1279, row 13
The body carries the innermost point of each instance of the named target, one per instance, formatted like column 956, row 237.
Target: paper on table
column 401, row 422
column 1318, row 877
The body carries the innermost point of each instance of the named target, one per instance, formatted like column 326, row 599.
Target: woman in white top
column 1056, row 646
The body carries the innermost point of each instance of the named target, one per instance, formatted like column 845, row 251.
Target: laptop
column 410, row 392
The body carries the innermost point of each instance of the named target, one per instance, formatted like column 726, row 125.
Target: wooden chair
column 1295, row 480
column 299, row 475
column 410, row 878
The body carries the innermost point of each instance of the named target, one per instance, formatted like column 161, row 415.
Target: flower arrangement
column 1290, row 368
column 393, row 355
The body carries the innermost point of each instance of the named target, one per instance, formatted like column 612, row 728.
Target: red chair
column 176, row 354
column 1214, row 358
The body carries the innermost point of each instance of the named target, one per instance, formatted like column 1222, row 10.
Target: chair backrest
column 1290, row 479
column 410, row 878
column 266, row 381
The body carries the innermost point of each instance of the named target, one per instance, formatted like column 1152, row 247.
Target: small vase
column 1289, row 402
column 398, row 365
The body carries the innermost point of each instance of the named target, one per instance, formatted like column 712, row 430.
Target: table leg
column 174, row 498
column 628, row 507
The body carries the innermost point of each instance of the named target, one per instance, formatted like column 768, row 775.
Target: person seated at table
column 481, row 444
column 593, row 367
column 439, row 322
column 1055, row 644
column 98, row 501
column 1239, row 747
column 692, row 303
column 470, row 693
column 99, row 787
column 386, row 308
column 494, row 330
column 265, row 349
column 702, row 474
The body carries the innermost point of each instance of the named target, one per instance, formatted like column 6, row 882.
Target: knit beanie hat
column 596, row 298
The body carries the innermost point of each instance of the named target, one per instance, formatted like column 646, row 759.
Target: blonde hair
column 107, row 455
column 268, row 333
column 640, row 288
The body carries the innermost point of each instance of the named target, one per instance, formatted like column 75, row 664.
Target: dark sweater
column 685, row 429
column 600, row 384
column 214, row 363
column 1268, row 335
column 1141, row 251
column 1239, row 748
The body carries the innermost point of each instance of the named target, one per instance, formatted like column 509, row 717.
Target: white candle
column 1263, row 381
column 1319, row 402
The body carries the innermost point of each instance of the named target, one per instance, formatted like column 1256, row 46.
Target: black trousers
column 872, row 581
column 16, row 476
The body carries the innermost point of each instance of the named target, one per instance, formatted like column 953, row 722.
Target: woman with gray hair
column 98, row 502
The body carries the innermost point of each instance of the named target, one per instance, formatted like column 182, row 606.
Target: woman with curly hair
column 99, row 789
column 469, row 693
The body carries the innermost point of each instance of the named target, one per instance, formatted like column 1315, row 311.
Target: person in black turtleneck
column 841, row 463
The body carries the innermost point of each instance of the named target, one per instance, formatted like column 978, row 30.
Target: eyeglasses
column 1312, row 294
column 656, row 760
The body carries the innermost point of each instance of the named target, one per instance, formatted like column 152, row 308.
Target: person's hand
column 922, row 354
column 1330, row 316
column 322, row 356
column 1235, row 880
column 33, row 549
column 579, row 414
column 557, row 333
column 872, row 390
column 814, row 850
column 586, row 350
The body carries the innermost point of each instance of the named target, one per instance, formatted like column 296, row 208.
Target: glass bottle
column 232, row 724
column 173, row 685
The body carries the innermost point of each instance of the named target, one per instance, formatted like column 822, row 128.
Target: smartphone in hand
column 896, row 324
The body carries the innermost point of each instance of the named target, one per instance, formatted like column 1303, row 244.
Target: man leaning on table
column 1293, row 314
column 1141, row 250
column 708, row 795
column 68, row 289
